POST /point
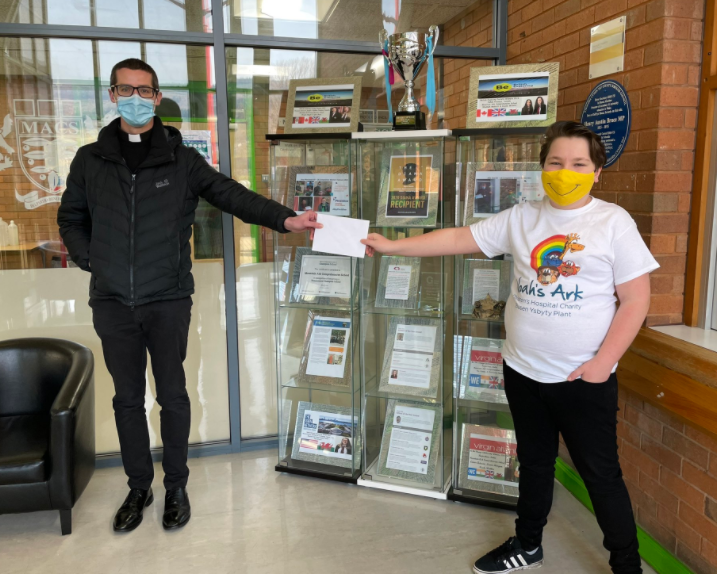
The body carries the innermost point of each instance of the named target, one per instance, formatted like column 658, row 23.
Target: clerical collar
column 136, row 138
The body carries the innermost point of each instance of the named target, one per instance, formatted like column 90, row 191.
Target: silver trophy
column 406, row 53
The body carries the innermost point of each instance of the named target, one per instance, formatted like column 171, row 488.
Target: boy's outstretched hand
column 376, row 242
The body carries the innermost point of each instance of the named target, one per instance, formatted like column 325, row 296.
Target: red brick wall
column 671, row 472
column 653, row 178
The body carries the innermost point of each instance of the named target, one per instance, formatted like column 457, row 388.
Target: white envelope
column 340, row 235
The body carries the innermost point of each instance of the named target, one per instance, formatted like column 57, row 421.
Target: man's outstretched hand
column 304, row 222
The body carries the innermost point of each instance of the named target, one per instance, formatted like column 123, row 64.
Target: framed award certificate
column 489, row 460
column 323, row 105
column 326, row 356
column 483, row 277
column 324, row 189
column 514, row 96
column 412, row 360
column 321, row 278
column 410, row 184
column 326, row 434
column 411, row 441
column 494, row 187
column 397, row 285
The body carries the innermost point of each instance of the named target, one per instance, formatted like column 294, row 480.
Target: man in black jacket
column 126, row 218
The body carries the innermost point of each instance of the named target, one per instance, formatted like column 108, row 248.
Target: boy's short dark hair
column 134, row 64
column 574, row 130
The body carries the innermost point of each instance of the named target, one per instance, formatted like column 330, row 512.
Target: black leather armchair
column 47, row 425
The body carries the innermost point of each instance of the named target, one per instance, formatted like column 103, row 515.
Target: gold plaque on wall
column 519, row 96
column 328, row 105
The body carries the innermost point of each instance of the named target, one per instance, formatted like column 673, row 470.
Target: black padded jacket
column 132, row 230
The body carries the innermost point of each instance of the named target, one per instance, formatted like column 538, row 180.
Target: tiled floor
column 249, row 519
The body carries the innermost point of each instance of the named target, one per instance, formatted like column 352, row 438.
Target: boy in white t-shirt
column 564, row 337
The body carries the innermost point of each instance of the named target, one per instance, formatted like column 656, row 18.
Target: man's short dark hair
column 574, row 130
column 134, row 64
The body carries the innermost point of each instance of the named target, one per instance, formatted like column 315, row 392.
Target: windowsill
column 705, row 338
column 674, row 368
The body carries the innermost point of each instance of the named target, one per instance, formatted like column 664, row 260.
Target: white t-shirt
column 566, row 265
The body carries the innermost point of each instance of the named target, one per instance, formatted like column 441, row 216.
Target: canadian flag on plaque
column 490, row 113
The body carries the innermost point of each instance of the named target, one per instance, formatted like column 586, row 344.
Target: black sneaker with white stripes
column 508, row 557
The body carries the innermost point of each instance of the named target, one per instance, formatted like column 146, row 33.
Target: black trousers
column 162, row 328
column 586, row 415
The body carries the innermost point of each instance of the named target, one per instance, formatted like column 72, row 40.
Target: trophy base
column 409, row 121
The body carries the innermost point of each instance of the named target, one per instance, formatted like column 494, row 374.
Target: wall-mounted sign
column 326, row 105
column 607, row 48
column 513, row 96
column 607, row 112
column 200, row 140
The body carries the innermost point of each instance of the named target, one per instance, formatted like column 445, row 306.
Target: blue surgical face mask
column 136, row 111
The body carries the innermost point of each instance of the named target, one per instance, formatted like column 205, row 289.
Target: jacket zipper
column 131, row 245
column 131, row 222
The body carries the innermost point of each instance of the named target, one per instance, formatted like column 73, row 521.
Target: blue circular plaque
column 607, row 112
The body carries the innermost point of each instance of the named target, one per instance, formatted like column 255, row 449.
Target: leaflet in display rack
column 489, row 460
column 483, row 278
column 398, row 282
column 326, row 434
column 482, row 370
column 324, row 189
column 411, row 442
column 410, row 186
column 326, row 355
column 492, row 187
column 322, row 278
column 412, row 360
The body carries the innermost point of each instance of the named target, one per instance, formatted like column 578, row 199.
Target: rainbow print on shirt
column 548, row 257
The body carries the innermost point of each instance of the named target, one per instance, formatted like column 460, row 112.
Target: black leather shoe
column 177, row 511
column 129, row 516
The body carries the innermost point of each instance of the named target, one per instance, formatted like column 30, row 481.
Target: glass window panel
column 117, row 13
column 179, row 15
column 51, row 102
column 358, row 19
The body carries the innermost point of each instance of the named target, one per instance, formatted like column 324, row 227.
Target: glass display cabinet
column 406, row 187
column 495, row 169
column 316, row 296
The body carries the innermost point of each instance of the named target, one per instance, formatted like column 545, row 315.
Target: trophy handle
column 433, row 30
column 382, row 37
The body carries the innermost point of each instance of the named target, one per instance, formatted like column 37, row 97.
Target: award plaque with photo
column 412, row 360
column 326, row 355
column 482, row 278
column 326, row 434
column 489, row 460
column 409, row 192
column 411, row 441
column 398, row 279
column 324, row 189
column 482, row 371
column 494, row 187
column 515, row 96
column 327, row 105
column 321, row 278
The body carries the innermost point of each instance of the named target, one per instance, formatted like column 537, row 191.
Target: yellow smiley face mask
column 565, row 187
